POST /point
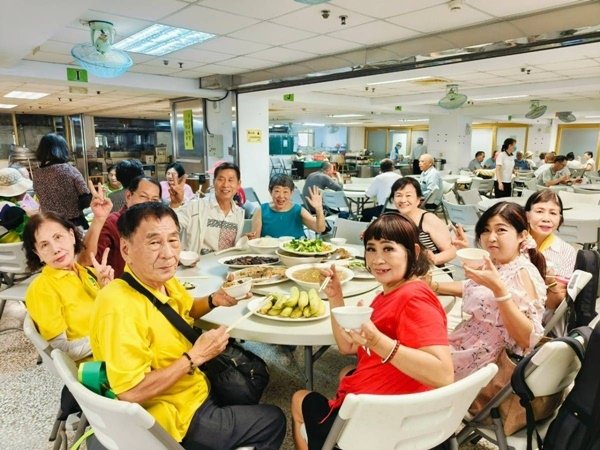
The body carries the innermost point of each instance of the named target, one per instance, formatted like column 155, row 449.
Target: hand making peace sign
column 104, row 272
column 101, row 206
column 176, row 191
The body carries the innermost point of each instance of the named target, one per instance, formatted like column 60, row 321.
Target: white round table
column 589, row 187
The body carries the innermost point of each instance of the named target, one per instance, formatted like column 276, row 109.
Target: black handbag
column 237, row 376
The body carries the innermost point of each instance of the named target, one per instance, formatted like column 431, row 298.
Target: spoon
column 242, row 244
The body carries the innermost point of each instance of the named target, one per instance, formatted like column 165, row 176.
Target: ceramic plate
column 255, row 303
column 262, row 275
column 328, row 248
column 236, row 261
column 360, row 272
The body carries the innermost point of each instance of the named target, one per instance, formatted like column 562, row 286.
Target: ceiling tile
column 282, row 55
column 259, row 9
column 151, row 10
column 124, row 26
column 221, row 70
column 567, row 65
column 59, row 58
column 208, row 20
column 266, row 32
column 445, row 19
column 323, row 45
column 246, row 62
column 385, row 8
column 375, row 32
column 514, row 7
column 232, row 46
column 197, row 54
column 193, row 73
column 309, row 19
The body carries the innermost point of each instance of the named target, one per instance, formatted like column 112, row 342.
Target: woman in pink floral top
column 504, row 298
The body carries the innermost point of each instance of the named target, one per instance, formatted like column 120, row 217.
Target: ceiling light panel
column 158, row 40
column 5, row 106
column 26, row 95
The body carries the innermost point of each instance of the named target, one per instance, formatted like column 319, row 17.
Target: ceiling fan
column 453, row 99
column 536, row 110
column 99, row 58
column 566, row 116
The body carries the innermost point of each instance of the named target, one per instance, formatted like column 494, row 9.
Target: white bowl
column 188, row 258
column 344, row 273
column 338, row 241
column 472, row 257
column 289, row 260
column 264, row 245
column 352, row 317
column 285, row 238
column 238, row 288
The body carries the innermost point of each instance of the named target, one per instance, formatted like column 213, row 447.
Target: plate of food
column 261, row 275
column 307, row 306
column 307, row 247
column 358, row 266
column 242, row 261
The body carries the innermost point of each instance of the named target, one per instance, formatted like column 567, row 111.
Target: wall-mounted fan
column 333, row 129
column 453, row 99
column 99, row 58
column 536, row 110
column 566, row 116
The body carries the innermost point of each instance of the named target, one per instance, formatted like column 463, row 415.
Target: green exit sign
column 288, row 97
column 77, row 74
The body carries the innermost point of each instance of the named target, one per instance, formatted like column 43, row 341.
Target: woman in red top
column 406, row 340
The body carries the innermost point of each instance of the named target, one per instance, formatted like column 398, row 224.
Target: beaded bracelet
column 435, row 287
column 211, row 305
column 392, row 353
column 504, row 298
column 192, row 366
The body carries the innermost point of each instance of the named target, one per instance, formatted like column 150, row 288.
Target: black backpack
column 584, row 309
column 577, row 425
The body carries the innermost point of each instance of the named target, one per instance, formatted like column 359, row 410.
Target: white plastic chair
column 578, row 198
column 551, row 369
column 351, row 230
column 593, row 196
column 335, row 202
column 13, row 266
column 411, row 421
column 58, row 435
column 466, row 215
column 470, row 197
column 251, row 195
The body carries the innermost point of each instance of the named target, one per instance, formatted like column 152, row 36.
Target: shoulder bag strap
column 175, row 319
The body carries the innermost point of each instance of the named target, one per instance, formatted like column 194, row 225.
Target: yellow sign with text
column 254, row 136
column 188, row 130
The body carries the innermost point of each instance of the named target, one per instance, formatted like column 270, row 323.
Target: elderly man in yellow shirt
column 149, row 362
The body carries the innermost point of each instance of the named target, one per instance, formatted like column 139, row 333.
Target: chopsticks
column 201, row 277
column 248, row 314
column 324, row 284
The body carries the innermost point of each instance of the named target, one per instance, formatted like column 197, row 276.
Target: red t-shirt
column 110, row 237
column 413, row 315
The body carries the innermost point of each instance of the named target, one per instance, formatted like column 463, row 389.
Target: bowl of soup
column 309, row 276
column 238, row 288
column 264, row 245
column 472, row 257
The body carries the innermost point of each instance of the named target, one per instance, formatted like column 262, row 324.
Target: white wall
column 218, row 119
column 356, row 138
column 450, row 138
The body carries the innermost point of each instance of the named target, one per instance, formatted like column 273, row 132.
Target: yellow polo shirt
column 133, row 338
column 62, row 301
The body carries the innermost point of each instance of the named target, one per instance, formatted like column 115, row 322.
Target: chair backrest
column 247, row 226
column 470, row 197
column 486, row 186
column 117, row 424
column 526, row 193
column 251, row 195
column 335, row 200
column 593, row 196
column 250, row 208
column 416, row 421
column 350, row 229
column 531, row 184
column 462, row 214
column 12, row 258
column 297, row 197
column 41, row 345
column 574, row 198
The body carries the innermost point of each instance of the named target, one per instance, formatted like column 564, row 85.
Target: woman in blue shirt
column 281, row 217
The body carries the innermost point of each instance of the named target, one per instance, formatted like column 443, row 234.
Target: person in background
column 556, row 174
column 505, row 164
column 281, row 217
column 402, row 349
column 27, row 202
column 61, row 298
column 573, row 163
column 214, row 222
column 59, row 186
column 380, row 188
column 521, row 163
column 528, row 158
column 490, row 163
column 323, row 179
column 126, row 171
column 395, row 153
column 431, row 182
column 240, row 196
column 149, row 362
column 103, row 233
column 13, row 189
column 112, row 184
column 299, row 156
column 588, row 162
column 406, row 196
column 475, row 163
column 174, row 172
column 504, row 298
column 548, row 161
column 418, row 150
column 540, row 161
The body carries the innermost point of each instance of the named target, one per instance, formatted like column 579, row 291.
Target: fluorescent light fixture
column 312, row 2
column 413, row 120
column 27, row 95
column 158, row 40
column 5, row 106
column 345, row 115
column 309, row 124
column 505, row 97
column 397, row 81
column 592, row 117
column 349, row 123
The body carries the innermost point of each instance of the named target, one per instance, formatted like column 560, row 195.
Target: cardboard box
column 149, row 159
column 162, row 159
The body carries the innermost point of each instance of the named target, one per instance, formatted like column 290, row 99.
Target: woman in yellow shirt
column 60, row 299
